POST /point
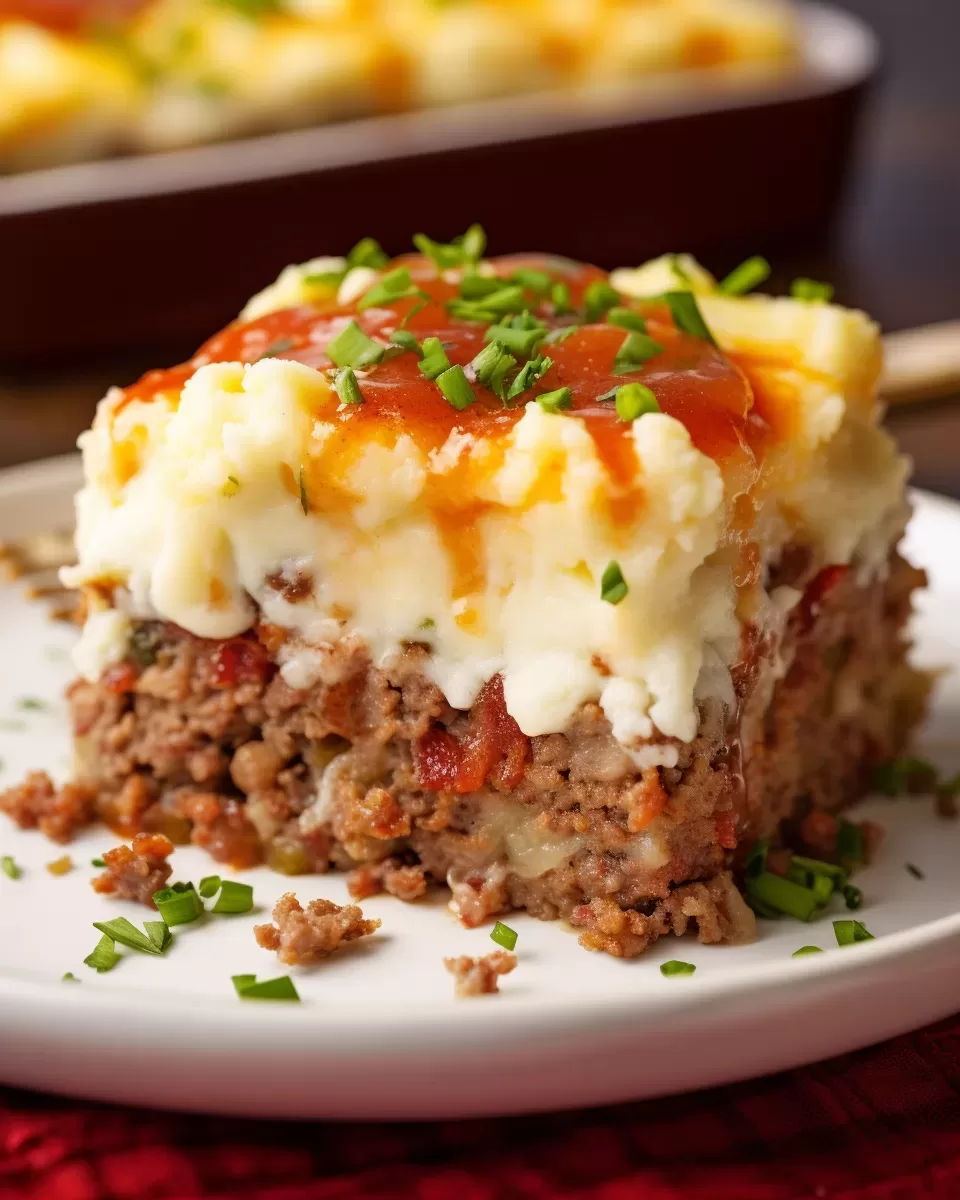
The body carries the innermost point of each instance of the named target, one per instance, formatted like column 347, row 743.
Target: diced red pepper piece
column 817, row 590
column 239, row 660
column 727, row 830
column 121, row 678
column 494, row 748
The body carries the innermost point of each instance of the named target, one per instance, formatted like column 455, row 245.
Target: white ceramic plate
column 379, row 1034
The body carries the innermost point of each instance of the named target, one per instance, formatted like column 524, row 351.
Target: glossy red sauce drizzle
column 692, row 379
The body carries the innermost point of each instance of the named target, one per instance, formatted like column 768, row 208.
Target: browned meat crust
column 136, row 872
column 57, row 812
column 406, row 881
column 479, row 976
column 305, row 935
column 371, row 771
column 716, row 908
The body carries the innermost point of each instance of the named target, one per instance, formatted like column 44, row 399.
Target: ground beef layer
column 370, row 770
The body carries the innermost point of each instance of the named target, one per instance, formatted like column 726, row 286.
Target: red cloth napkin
column 881, row 1124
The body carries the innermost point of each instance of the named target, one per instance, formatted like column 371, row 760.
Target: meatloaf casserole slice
column 554, row 586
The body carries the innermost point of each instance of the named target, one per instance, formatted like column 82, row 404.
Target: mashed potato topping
column 556, row 535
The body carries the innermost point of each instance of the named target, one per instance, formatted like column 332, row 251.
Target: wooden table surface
column 895, row 251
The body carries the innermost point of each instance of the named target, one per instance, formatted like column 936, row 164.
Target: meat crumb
column 57, row 812
column 715, row 908
column 305, row 935
column 135, row 872
column 479, row 976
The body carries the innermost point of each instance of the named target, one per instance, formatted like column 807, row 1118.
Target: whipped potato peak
column 449, row 507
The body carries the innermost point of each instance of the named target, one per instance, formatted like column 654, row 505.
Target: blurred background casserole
column 88, row 78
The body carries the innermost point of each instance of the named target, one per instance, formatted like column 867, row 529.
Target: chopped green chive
column 851, row 848
column 352, row 348
column 509, row 299
column 822, row 887
column 278, row 347
column 159, row 934
column 455, row 386
column 756, row 861
column 504, row 936
column 784, row 896
column 676, row 967
column 556, row 336
column 209, row 886
column 32, row 704
column 518, row 339
column 405, row 339
column 816, row 867
column 597, row 298
column 560, row 299
column 442, row 255
column 852, row 896
column 145, row 642
column 281, row 988
column 69, row 977
column 530, row 373
column 811, row 291
column 848, row 932
column 635, row 350
column 806, row 950
column 466, row 310
column 121, row 930
column 434, row 361
column 178, row 907
column 104, row 956
column 500, row 303
column 678, row 272
column 395, row 285
column 532, row 280
column 427, row 623
column 798, row 875
column 465, row 249
column 9, row 867
column 326, row 279
column 746, row 277
column 491, row 366
column 473, row 243
column 475, row 287
column 304, row 500
column 346, row 386
column 687, row 316
column 626, row 318
column 231, row 487
column 761, row 909
column 613, row 586
column 905, row 774
column 915, row 871
column 97, row 862
column 234, row 897
column 553, row 401
column 367, row 253
column 634, row 400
